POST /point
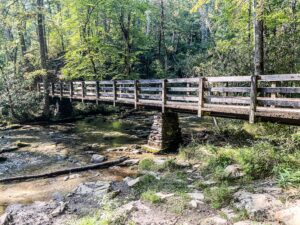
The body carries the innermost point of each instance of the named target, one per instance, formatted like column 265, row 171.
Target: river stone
column 97, row 158
column 289, row 216
column 259, row 207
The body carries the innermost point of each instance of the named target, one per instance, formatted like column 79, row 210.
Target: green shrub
column 259, row 161
column 219, row 196
column 147, row 164
column 151, row 196
column 289, row 177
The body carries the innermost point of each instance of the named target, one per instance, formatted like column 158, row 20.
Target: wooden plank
column 106, row 82
column 125, row 88
column 182, row 98
column 125, row 81
column 280, row 77
column 227, row 100
column 152, row 89
column 183, row 89
column 150, row 96
column 150, row 81
column 125, row 95
column 114, row 92
column 253, row 99
column 136, row 94
column 183, row 80
column 231, row 109
column 82, row 91
column 71, row 90
column 163, row 95
column 89, row 83
column 282, row 102
column 229, row 89
column 273, row 95
column 281, row 90
column 97, row 90
column 200, row 96
column 229, row 79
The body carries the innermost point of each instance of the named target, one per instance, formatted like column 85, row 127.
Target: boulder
column 289, row 216
column 97, row 158
column 214, row 221
column 233, row 171
column 259, row 207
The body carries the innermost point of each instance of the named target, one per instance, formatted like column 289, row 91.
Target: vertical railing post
column 163, row 95
column 61, row 90
column 200, row 96
column 71, row 90
column 82, row 91
column 136, row 94
column 52, row 89
column 114, row 92
column 273, row 94
column 253, row 98
column 97, row 89
column 225, row 94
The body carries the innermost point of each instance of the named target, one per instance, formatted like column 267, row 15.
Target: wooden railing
column 270, row 96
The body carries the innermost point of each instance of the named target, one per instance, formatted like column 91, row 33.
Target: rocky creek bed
column 67, row 199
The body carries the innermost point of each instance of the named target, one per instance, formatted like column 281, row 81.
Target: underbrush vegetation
column 261, row 150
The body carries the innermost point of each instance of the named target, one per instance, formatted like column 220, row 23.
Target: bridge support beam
column 165, row 133
column 62, row 107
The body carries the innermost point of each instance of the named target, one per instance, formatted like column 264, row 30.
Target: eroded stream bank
column 53, row 147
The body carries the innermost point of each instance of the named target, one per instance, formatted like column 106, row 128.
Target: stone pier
column 62, row 107
column 165, row 133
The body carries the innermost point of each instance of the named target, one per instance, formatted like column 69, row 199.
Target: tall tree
column 258, row 6
column 43, row 55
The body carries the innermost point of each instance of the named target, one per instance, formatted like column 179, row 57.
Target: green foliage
column 147, row 164
column 218, row 196
column 289, row 177
column 258, row 161
column 151, row 196
column 170, row 182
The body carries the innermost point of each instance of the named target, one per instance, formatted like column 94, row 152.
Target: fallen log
column 66, row 171
column 9, row 149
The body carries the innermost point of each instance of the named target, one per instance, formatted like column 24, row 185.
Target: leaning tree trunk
column 258, row 37
column 43, row 49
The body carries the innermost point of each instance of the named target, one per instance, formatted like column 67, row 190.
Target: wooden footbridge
column 273, row 98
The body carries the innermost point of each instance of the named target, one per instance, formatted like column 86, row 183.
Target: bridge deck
column 270, row 97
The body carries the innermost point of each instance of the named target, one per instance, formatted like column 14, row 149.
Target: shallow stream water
column 63, row 146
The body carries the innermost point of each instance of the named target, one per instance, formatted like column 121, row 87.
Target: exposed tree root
column 66, row 171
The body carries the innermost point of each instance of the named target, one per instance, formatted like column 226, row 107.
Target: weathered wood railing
column 271, row 96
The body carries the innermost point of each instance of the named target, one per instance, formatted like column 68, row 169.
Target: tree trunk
column 43, row 55
column 258, row 7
